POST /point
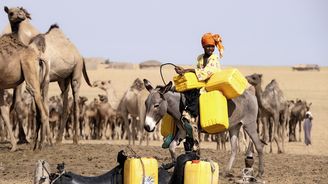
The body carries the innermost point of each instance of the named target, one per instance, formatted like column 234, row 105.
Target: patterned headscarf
column 214, row 40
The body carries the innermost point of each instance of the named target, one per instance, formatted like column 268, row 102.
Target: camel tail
column 85, row 74
column 44, row 71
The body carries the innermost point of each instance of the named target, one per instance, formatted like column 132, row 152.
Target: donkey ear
column 148, row 85
column 6, row 9
column 166, row 88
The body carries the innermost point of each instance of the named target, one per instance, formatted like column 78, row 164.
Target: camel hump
column 53, row 26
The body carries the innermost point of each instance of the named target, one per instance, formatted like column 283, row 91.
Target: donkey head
column 156, row 105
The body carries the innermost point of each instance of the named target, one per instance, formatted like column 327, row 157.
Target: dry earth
column 300, row 164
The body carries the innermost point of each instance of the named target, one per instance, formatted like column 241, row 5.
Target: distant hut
column 120, row 65
column 150, row 64
column 304, row 67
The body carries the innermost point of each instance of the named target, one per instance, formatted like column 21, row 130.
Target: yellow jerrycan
column 167, row 125
column 230, row 81
column 213, row 110
column 201, row 172
column 140, row 171
column 187, row 81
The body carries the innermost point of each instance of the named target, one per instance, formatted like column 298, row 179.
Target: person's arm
column 181, row 70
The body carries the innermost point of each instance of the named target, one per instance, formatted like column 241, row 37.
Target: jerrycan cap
column 195, row 161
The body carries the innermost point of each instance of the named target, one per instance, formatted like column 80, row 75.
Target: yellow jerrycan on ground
column 140, row 171
column 187, row 81
column 213, row 110
column 201, row 172
column 230, row 81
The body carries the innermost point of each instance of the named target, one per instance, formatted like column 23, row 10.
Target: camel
column 66, row 65
column 19, row 63
column 272, row 104
column 297, row 115
column 133, row 104
column 107, row 117
column 242, row 111
column 107, row 86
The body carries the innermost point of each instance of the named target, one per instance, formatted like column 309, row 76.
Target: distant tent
column 149, row 64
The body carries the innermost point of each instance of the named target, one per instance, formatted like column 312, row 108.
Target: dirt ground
column 300, row 164
column 99, row 157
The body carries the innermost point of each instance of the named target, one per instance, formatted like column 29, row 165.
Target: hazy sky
column 255, row 32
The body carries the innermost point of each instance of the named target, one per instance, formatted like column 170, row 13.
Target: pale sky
column 255, row 32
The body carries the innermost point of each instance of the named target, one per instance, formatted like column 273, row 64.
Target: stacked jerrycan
column 223, row 85
column 140, row 170
column 199, row 172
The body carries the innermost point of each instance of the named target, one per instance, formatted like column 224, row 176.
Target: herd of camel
column 35, row 59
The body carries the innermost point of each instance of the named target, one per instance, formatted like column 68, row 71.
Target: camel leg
column 265, row 129
column 252, row 133
column 64, row 89
column 5, row 117
column 275, row 131
column 76, row 83
column 300, row 131
column 127, row 130
column 233, row 133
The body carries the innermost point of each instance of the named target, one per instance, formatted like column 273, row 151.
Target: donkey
column 242, row 111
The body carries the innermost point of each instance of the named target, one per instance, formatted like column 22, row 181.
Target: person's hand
column 179, row 70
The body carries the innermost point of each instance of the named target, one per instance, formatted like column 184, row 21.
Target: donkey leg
column 233, row 133
column 252, row 133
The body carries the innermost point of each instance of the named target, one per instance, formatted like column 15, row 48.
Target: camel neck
column 258, row 94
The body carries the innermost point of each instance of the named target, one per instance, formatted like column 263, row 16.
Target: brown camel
column 66, row 65
column 297, row 115
column 19, row 62
column 272, row 104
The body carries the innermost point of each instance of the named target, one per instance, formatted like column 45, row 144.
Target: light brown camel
column 107, row 86
column 107, row 117
column 272, row 104
column 19, row 62
column 66, row 65
column 133, row 104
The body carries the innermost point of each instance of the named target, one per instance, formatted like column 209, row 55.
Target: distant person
column 207, row 64
column 307, row 128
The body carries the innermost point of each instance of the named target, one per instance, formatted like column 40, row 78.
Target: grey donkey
column 242, row 111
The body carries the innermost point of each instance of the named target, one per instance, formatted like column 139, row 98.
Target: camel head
column 83, row 99
column 103, row 98
column 254, row 79
column 138, row 84
column 17, row 15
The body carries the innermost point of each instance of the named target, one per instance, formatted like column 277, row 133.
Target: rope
column 142, row 164
column 160, row 70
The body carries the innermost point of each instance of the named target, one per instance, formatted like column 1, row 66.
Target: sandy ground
column 300, row 164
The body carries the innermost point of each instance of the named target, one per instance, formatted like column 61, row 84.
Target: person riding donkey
column 208, row 63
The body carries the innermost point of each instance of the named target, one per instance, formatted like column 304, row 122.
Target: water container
column 140, row 171
column 167, row 125
column 213, row 112
column 200, row 172
column 230, row 81
column 187, row 81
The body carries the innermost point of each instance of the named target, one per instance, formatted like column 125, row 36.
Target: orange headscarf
column 213, row 39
